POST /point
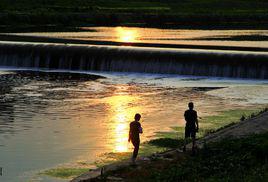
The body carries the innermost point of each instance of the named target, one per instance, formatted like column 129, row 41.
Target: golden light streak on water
column 123, row 108
column 126, row 34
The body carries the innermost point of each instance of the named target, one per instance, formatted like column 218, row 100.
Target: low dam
column 215, row 63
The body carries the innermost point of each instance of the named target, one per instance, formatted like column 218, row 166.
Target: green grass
column 167, row 142
column 108, row 158
column 211, row 123
column 177, row 7
column 157, row 13
column 64, row 172
column 146, row 149
column 229, row 160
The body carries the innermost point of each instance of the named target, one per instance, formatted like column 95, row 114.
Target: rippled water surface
column 254, row 38
column 49, row 122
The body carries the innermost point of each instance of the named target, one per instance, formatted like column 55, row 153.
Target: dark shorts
column 190, row 132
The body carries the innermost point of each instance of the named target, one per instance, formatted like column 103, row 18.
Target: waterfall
column 239, row 64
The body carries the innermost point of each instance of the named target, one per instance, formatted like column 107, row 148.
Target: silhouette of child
column 134, row 135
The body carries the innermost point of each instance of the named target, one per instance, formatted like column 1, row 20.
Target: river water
column 241, row 38
column 45, row 123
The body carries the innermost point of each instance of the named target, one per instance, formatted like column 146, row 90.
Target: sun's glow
column 122, row 111
column 126, row 34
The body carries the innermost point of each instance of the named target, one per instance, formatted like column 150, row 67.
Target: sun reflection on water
column 122, row 111
column 126, row 34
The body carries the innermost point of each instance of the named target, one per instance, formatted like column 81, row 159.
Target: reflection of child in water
column 134, row 135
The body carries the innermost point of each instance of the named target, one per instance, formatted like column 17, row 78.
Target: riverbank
column 164, row 141
column 66, row 15
column 242, row 150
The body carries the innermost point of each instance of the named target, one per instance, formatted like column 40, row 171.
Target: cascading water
column 237, row 64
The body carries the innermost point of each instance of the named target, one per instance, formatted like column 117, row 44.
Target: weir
column 238, row 64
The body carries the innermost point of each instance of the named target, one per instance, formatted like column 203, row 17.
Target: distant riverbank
column 59, row 15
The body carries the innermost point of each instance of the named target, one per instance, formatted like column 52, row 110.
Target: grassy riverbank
column 164, row 141
column 243, row 159
column 50, row 15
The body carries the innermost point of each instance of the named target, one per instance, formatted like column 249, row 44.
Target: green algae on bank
column 146, row 149
column 209, row 124
column 63, row 172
